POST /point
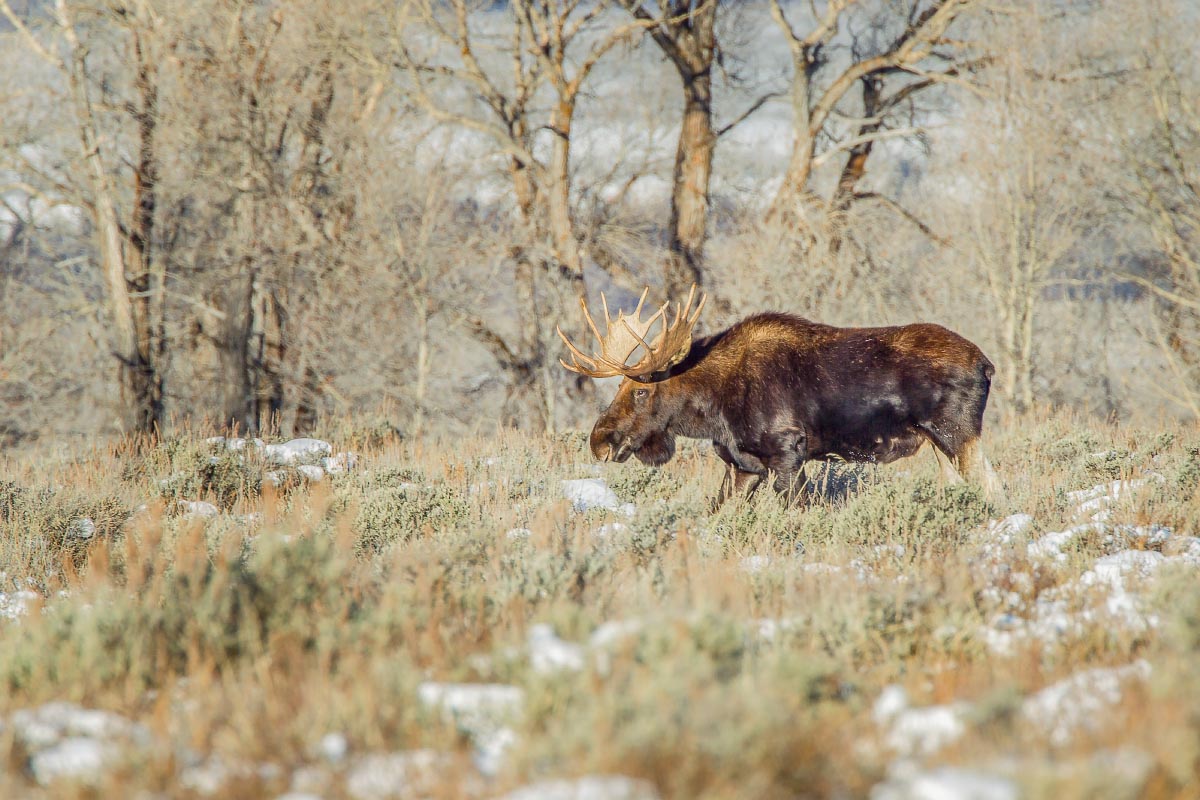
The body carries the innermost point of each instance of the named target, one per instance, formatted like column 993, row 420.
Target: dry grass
column 245, row 637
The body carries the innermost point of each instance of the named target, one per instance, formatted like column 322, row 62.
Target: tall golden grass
column 305, row 609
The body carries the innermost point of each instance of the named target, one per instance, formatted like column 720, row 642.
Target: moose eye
column 641, row 394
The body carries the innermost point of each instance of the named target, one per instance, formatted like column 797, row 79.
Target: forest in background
column 263, row 213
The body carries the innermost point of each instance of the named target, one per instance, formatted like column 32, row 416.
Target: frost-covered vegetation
column 502, row 617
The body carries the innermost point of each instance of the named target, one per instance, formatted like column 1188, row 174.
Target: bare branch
column 850, row 144
column 759, row 103
column 28, row 36
column 902, row 211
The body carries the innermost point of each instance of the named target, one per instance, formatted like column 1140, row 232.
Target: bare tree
column 273, row 225
column 1162, row 195
column 554, row 47
column 1025, row 217
column 686, row 33
column 134, row 272
column 903, row 51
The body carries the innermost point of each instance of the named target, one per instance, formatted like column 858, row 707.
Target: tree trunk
column 268, row 349
column 558, row 199
column 146, row 378
column 139, row 375
column 686, row 33
column 421, row 384
column 856, row 164
column 689, row 195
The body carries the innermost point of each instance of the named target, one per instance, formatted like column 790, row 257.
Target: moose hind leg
column 950, row 473
column 975, row 466
column 946, row 448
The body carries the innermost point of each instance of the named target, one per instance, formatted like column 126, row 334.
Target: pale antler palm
column 629, row 333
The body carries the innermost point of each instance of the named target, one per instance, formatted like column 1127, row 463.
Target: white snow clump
column 197, row 508
column 549, row 654
column 406, row 774
column 1074, row 703
column 298, row 451
column 588, row 493
column 68, row 741
column 917, row 731
column 589, row 787
column 943, row 783
column 482, row 711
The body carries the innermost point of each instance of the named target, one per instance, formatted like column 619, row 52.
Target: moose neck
column 695, row 385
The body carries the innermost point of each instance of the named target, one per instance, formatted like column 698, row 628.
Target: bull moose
column 776, row 390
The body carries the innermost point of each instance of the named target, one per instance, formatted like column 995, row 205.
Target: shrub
column 398, row 513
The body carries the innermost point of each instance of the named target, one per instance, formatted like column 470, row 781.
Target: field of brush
column 503, row 617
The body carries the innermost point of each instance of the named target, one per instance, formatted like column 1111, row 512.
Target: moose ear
column 646, row 378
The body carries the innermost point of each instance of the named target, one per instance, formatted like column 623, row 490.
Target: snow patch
column 589, row 787
column 944, row 783
column 1075, row 704
column 754, row 564
column 340, row 463
column 236, row 444
column 917, row 731
column 297, row 451
column 1010, row 526
column 76, row 757
column 311, row 472
column 588, row 493
column 769, row 630
column 333, row 747
column 406, row 774
column 609, row 633
column 68, row 741
column 1094, row 503
column 609, row 529
column 197, row 508
column 549, row 654
column 482, row 711
column 14, row 605
column 83, row 528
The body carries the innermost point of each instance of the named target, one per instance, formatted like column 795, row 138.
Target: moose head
column 638, row 420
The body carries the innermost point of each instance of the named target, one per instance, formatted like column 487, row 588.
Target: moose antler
column 629, row 333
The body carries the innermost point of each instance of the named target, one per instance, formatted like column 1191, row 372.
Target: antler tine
column 637, row 312
column 696, row 316
column 673, row 344
column 576, row 356
column 686, row 308
column 620, row 341
column 646, row 327
column 591, row 322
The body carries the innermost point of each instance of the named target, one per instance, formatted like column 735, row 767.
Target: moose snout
column 606, row 443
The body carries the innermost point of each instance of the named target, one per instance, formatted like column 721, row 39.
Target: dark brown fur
column 776, row 390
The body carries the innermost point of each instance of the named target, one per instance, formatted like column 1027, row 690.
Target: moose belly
column 875, row 447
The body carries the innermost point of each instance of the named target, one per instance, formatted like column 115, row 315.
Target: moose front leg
column 737, row 481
